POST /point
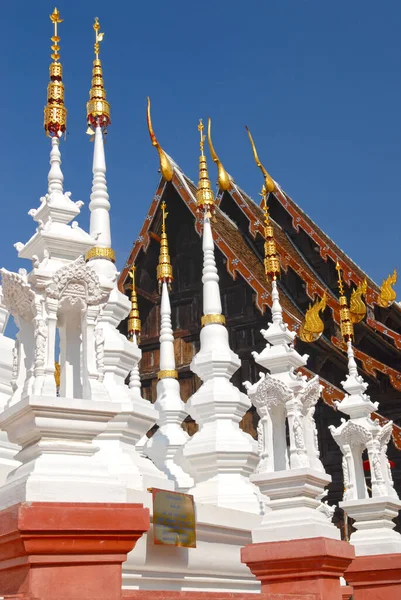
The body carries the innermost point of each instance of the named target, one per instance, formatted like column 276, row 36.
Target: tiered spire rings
column 164, row 268
column 204, row 194
column 347, row 328
column 272, row 260
column 55, row 113
column 134, row 321
column 97, row 109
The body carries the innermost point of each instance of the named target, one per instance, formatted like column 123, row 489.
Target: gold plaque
column 173, row 519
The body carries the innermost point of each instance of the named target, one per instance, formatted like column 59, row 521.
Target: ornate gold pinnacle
column 347, row 328
column 269, row 183
column 272, row 259
column 204, row 195
column 55, row 113
column 134, row 322
column 97, row 109
column 164, row 268
column 166, row 167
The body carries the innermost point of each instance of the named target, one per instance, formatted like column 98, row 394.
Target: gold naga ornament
column 134, row 322
column 312, row 326
column 223, row 178
column 97, row 109
column 346, row 325
column 166, row 167
column 357, row 306
column 164, row 269
column 271, row 260
column 204, row 194
column 269, row 183
column 387, row 295
column 55, row 113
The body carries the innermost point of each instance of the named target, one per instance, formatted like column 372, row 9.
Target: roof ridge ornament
column 97, row 109
column 269, row 183
column 313, row 326
column 55, row 113
column 387, row 294
column 357, row 306
column 223, row 178
column 166, row 167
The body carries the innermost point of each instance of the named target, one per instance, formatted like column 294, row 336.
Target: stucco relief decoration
column 76, row 281
column 99, row 349
column 17, row 293
column 40, row 343
column 267, row 392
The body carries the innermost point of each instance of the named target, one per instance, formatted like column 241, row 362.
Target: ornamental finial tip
column 272, row 259
column 55, row 113
column 164, row 270
column 346, row 325
column 97, row 109
column 204, row 194
column 134, row 321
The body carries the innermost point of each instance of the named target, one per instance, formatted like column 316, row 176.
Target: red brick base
column 308, row 566
column 67, row 551
column 375, row 577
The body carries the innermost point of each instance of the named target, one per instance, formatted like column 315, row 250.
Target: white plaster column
column 99, row 205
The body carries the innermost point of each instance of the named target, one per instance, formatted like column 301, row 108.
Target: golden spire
column 387, row 295
column 347, row 328
column 166, row 167
column 223, row 179
column 312, row 326
column 269, row 183
column 164, row 268
column 357, row 306
column 134, row 322
column 272, row 260
column 55, row 114
column 97, row 109
column 204, row 195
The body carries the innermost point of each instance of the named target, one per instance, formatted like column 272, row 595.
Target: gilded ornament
column 357, row 306
column 269, row 183
column 166, row 167
column 134, row 322
column 223, row 178
column 164, row 269
column 313, row 326
column 55, row 113
column 213, row 319
column 167, row 373
column 97, row 109
column 272, row 259
column 204, row 194
column 387, row 295
column 57, row 374
column 346, row 326
column 99, row 252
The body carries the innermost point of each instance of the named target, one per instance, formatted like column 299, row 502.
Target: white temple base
column 8, row 451
column 292, row 511
column 214, row 565
column 58, row 456
column 374, row 524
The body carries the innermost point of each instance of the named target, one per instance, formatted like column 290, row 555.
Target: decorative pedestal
column 375, row 577
column 67, row 551
column 313, row 566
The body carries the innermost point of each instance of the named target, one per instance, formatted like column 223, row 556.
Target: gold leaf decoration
column 387, row 295
column 357, row 305
column 313, row 326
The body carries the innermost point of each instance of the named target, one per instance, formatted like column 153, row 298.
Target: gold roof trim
column 204, row 194
column 269, row 183
column 97, row 109
column 164, row 268
column 272, row 259
column 134, row 321
column 312, row 326
column 357, row 306
column 223, row 178
column 387, row 295
column 166, row 167
column 346, row 326
column 55, row 113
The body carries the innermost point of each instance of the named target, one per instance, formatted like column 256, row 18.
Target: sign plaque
column 173, row 519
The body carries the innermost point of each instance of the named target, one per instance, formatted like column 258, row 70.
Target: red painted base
column 309, row 566
column 375, row 577
column 66, row 551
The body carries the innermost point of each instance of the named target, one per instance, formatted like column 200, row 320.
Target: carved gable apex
column 351, row 433
column 269, row 392
column 17, row 294
column 77, row 281
column 310, row 393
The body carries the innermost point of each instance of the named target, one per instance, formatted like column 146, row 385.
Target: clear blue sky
column 317, row 82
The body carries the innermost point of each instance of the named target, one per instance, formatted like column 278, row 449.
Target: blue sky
column 318, row 83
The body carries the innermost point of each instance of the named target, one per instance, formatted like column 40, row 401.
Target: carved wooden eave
column 240, row 260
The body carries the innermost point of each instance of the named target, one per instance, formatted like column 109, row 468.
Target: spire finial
column 347, row 328
column 269, row 183
column 204, row 195
column 223, row 180
column 97, row 109
column 165, row 165
column 55, row 113
column 164, row 270
column 134, row 322
column 272, row 260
